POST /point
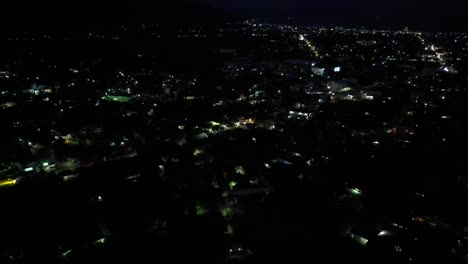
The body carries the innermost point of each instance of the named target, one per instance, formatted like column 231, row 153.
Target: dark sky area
column 54, row 14
column 428, row 14
column 340, row 4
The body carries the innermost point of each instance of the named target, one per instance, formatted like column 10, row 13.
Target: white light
column 356, row 191
column 383, row 233
column 45, row 164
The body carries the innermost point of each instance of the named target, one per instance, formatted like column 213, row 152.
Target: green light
column 226, row 212
column 117, row 98
column 197, row 152
column 232, row 184
column 229, row 230
column 29, row 169
column 45, row 164
column 201, row 210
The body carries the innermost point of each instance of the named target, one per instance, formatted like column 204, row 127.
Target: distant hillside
column 430, row 15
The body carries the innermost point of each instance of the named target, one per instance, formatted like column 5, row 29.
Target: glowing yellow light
column 6, row 183
column 213, row 123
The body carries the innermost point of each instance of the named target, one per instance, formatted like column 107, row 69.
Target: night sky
column 444, row 15
column 435, row 7
column 431, row 15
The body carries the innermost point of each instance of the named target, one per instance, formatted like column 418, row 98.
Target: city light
column 207, row 134
column 7, row 183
